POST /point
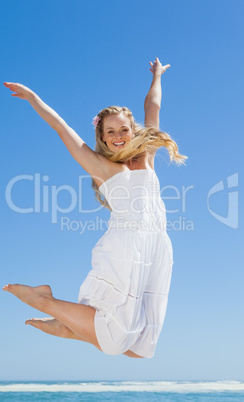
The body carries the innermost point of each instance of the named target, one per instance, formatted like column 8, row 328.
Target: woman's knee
column 129, row 353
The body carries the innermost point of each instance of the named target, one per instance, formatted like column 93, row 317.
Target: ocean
column 128, row 391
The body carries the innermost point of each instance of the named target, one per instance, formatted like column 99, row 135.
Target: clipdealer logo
column 47, row 200
column 231, row 219
column 44, row 195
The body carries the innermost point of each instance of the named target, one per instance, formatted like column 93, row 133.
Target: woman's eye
column 111, row 132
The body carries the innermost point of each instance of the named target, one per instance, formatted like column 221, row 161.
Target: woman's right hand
column 20, row 90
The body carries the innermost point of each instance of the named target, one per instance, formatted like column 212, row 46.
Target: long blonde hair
column 146, row 139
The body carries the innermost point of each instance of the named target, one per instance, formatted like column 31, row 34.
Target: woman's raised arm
column 91, row 161
column 152, row 104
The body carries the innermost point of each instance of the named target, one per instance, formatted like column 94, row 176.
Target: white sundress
column 129, row 282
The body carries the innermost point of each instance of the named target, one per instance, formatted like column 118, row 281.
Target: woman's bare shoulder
column 107, row 169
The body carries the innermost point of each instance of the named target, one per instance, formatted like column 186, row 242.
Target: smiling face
column 117, row 131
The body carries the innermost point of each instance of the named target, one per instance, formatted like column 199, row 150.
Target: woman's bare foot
column 54, row 327
column 49, row 325
column 36, row 297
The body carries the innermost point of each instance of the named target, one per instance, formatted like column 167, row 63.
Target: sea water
column 151, row 391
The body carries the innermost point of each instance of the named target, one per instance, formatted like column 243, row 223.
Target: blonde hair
column 146, row 139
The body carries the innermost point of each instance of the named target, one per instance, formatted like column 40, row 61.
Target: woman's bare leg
column 52, row 326
column 78, row 318
column 129, row 353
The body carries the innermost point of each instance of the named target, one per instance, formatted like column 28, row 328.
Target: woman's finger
column 12, row 87
column 9, row 84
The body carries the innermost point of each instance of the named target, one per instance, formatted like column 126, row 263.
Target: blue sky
column 80, row 57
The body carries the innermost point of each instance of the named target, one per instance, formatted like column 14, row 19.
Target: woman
column 123, row 300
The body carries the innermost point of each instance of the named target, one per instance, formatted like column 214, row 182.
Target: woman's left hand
column 157, row 69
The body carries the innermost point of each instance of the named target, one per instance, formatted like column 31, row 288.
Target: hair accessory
column 96, row 120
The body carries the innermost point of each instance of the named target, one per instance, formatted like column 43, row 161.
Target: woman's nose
column 119, row 135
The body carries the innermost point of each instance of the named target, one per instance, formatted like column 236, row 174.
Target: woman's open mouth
column 119, row 144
